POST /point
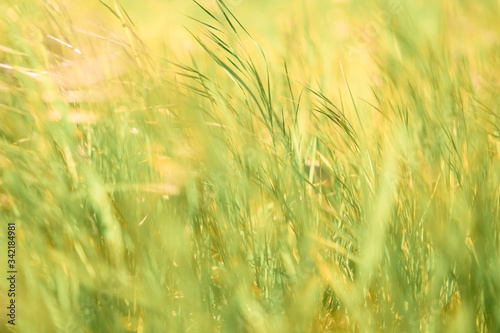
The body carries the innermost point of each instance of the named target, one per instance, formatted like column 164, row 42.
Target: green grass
column 335, row 168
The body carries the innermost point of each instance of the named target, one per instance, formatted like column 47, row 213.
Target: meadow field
column 249, row 166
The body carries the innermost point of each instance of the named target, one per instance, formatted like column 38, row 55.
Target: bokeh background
column 251, row 166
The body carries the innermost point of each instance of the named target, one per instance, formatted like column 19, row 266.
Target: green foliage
column 351, row 186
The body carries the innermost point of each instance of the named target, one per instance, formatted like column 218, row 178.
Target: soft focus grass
column 284, row 166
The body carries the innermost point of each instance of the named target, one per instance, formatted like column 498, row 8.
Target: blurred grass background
column 252, row 166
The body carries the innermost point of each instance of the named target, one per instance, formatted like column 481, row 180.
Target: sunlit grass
column 335, row 169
